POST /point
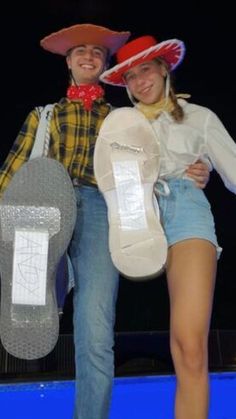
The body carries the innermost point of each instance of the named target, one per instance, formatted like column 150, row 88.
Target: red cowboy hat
column 62, row 41
column 139, row 51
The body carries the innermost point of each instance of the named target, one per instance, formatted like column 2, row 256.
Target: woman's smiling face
column 146, row 81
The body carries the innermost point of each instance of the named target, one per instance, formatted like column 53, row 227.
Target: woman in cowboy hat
column 74, row 126
column 184, row 132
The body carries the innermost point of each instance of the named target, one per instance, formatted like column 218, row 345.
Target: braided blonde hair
column 177, row 113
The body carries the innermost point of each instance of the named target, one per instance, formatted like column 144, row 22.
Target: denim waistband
column 82, row 182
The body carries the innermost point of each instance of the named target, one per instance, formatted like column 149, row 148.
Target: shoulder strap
column 41, row 142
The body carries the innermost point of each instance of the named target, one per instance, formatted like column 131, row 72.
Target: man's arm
column 200, row 173
column 20, row 150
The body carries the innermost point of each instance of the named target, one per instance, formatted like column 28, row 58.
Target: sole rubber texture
column 126, row 166
column 37, row 218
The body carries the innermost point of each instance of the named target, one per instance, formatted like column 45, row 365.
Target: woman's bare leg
column 191, row 271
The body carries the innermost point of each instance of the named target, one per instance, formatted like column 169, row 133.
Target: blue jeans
column 95, row 294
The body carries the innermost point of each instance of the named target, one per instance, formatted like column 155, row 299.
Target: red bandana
column 86, row 92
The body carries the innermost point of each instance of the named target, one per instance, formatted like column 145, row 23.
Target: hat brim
column 62, row 41
column 172, row 51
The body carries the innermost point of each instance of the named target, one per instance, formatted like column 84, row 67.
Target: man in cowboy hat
column 74, row 127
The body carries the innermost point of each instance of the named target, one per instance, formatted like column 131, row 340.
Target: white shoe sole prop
column 126, row 166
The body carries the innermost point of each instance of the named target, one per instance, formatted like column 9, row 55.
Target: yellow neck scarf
column 153, row 110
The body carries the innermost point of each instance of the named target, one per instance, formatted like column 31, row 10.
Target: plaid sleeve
column 20, row 150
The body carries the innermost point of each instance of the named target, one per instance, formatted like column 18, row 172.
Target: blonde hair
column 177, row 113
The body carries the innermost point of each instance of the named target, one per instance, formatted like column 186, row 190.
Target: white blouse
column 201, row 135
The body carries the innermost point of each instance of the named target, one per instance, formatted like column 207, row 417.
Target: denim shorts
column 186, row 213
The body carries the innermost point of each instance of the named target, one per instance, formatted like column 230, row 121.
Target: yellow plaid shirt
column 73, row 133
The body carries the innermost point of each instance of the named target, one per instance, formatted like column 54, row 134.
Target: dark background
column 31, row 76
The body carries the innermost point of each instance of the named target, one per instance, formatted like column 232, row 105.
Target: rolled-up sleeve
column 20, row 150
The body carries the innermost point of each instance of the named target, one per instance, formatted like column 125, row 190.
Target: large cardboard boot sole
column 126, row 166
column 37, row 218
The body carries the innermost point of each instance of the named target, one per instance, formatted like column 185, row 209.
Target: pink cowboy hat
column 62, row 41
column 141, row 50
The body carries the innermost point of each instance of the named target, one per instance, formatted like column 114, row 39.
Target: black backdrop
column 31, row 76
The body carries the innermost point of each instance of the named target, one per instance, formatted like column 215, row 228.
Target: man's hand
column 200, row 173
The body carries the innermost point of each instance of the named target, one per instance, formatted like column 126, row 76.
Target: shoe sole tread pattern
column 40, row 195
column 127, row 163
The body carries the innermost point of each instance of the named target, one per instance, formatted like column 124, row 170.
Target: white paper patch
column 130, row 195
column 30, row 267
